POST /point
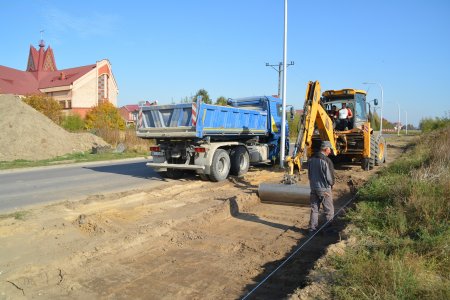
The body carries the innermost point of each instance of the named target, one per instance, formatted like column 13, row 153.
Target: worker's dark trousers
column 317, row 198
column 342, row 124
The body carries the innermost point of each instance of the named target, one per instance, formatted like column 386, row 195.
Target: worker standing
column 321, row 181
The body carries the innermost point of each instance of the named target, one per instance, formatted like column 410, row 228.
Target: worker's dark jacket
column 320, row 172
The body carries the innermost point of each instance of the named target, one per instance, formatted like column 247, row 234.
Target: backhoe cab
column 355, row 139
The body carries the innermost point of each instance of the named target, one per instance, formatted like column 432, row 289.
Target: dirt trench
column 187, row 240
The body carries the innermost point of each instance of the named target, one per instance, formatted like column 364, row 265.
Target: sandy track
column 189, row 240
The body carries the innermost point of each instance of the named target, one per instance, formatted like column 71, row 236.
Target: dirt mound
column 28, row 134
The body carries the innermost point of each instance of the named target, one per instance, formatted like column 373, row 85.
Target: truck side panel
column 225, row 120
column 174, row 121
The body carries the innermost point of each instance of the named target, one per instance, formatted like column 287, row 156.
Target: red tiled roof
column 131, row 107
column 63, row 77
column 41, row 73
column 18, row 82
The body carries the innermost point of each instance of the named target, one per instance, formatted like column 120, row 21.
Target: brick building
column 77, row 89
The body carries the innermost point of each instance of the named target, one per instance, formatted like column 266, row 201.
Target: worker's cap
column 326, row 144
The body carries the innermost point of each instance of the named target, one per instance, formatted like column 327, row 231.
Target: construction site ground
column 188, row 239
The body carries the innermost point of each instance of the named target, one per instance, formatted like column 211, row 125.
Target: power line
column 279, row 69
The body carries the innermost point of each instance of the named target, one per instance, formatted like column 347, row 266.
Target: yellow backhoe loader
column 353, row 139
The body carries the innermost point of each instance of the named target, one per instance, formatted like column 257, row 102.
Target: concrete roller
column 287, row 194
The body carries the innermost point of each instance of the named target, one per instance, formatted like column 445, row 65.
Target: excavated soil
column 27, row 134
column 189, row 239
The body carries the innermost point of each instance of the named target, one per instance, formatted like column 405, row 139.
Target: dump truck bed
column 175, row 121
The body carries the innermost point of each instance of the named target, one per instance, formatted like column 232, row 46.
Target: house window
column 65, row 104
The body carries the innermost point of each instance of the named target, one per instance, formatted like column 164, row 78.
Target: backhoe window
column 360, row 110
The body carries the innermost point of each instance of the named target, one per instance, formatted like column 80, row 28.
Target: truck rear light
column 200, row 150
column 155, row 148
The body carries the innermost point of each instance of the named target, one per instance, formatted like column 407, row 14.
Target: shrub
column 104, row 116
column 430, row 124
column 45, row 105
column 73, row 122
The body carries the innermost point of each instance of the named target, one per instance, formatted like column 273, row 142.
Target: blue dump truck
column 214, row 141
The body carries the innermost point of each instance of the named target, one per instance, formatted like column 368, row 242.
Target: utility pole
column 279, row 70
column 398, row 124
column 406, row 123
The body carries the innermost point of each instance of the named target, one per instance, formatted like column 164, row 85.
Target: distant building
column 129, row 113
column 76, row 89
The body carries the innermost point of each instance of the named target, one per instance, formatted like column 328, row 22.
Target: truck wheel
column 204, row 177
column 240, row 161
column 381, row 155
column 220, row 165
column 174, row 173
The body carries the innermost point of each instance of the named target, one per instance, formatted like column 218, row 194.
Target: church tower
column 41, row 60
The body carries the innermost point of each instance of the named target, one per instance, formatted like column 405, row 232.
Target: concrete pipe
column 286, row 194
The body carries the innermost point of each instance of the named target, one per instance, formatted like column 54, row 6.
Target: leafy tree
column 204, row 94
column 45, row 105
column 222, row 101
column 104, row 116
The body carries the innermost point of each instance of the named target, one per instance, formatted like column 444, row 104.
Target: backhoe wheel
column 381, row 154
column 240, row 161
column 220, row 166
column 373, row 154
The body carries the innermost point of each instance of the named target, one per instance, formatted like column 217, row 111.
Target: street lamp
column 381, row 110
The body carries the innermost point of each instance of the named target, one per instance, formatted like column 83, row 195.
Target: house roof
column 131, row 107
column 17, row 82
column 41, row 73
column 64, row 77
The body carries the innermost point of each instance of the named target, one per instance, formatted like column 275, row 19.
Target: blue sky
column 167, row 50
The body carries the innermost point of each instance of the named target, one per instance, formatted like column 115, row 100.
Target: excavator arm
column 313, row 114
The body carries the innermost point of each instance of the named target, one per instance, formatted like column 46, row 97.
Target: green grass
column 69, row 158
column 18, row 215
column 401, row 229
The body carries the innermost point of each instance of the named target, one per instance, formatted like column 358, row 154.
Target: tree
column 45, row 105
column 204, row 94
column 104, row 116
column 222, row 101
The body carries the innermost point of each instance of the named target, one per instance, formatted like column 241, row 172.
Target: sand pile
column 27, row 134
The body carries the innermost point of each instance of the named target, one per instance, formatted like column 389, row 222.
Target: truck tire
column 240, row 161
column 220, row 166
column 381, row 155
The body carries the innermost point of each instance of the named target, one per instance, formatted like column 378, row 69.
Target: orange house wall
column 80, row 111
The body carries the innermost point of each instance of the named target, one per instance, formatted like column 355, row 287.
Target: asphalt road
column 21, row 188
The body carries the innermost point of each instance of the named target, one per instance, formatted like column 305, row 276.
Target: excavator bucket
column 284, row 194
